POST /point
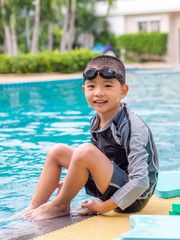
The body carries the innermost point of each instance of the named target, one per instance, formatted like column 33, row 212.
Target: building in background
column 133, row 16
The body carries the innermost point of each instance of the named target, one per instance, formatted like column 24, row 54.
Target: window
column 155, row 26
column 142, row 26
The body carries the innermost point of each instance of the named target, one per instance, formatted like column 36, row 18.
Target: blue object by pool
column 98, row 48
column 176, row 207
column 171, row 212
column 156, row 227
column 168, row 184
column 107, row 48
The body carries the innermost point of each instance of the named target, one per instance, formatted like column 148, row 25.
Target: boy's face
column 104, row 95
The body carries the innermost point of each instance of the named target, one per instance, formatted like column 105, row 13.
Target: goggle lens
column 90, row 74
column 107, row 73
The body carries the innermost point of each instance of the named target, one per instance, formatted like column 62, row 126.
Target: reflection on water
column 32, row 119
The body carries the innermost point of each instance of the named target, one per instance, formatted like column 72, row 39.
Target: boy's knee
column 57, row 150
column 83, row 152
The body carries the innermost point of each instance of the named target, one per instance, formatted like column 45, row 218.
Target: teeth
column 100, row 101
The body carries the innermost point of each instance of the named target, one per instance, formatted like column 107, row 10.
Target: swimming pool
column 35, row 117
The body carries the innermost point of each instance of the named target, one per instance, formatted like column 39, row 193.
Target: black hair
column 108, row 61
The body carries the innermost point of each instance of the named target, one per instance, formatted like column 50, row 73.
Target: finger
column 87, row 212
column 85, row 204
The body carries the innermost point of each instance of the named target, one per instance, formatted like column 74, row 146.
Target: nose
column 98, row 91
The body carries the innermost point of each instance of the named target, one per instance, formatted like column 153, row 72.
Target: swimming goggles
column 104, row 72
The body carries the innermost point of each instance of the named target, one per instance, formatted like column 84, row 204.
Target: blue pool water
column 35, row 117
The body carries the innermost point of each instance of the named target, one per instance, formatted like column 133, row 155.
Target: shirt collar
column 95, row 125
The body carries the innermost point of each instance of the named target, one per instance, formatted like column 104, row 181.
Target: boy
column 119, row 167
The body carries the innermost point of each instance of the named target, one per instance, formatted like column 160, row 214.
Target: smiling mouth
column 100, row 102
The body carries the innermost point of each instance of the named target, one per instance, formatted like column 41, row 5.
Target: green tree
column 32, row 25
column 65, row 26
column 27, row 6
column 110, row 3
column 51, row 16
column 79, row 18
column 35, row 39
column 7, row 33
column 11, row 10
column 88, row 22
column 71, row 25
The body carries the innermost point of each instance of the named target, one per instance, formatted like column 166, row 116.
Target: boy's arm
column 142, row 170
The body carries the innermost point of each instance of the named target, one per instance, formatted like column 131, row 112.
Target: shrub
column 27, row 63
column 140, row 46
column 67, row 62
column 144, row 43
column 5, row 63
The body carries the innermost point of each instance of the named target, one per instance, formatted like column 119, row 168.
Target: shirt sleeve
column 134, row 137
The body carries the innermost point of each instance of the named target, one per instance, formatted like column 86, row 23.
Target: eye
column 108, row 85
column 90, row 86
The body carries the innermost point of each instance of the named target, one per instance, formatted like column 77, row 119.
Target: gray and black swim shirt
column 127, row 140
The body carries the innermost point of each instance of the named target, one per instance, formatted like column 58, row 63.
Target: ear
column 83, row 88
column 124, row 92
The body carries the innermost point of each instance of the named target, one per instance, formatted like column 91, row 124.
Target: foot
column 28, row 209
column 47, row 211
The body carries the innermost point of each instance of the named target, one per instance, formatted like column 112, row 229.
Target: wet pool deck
column 42, row 77
column 27, row 230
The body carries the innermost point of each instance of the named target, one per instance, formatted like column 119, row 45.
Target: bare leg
column 59, row 156
column 84, row 159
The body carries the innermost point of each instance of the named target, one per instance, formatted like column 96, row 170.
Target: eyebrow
column 108, row 81
column 90, row 81
column 104, row 81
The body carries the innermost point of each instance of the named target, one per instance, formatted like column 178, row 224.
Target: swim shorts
column 119, row 178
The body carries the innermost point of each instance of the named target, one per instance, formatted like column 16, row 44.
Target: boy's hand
column 92, row 207
column 97, row 206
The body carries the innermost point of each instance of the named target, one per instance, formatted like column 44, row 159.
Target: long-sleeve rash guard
column 127, row 140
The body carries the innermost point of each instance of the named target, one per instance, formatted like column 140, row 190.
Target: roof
column 132, row 7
